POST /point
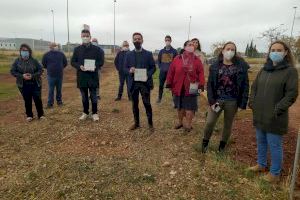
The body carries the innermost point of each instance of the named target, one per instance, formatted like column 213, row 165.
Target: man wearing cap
column 54, row 61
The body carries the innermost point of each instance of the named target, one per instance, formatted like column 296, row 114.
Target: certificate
column 89, row 65
column 140, row 75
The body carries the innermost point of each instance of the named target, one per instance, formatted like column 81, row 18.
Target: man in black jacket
column 88, row 59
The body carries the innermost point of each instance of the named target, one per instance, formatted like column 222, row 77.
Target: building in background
column 15, row 43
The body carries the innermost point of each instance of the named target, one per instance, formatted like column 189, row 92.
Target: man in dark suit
column 141, row 67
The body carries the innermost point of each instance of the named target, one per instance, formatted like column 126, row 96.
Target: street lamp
column 189, row 32
column 115, row 27
column 295, row 7
column 52, row 11
column 68, row 29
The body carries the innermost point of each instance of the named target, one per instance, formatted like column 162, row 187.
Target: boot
column 222, row 146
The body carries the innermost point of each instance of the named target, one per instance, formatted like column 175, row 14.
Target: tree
column 217, row 47
column 272, row 34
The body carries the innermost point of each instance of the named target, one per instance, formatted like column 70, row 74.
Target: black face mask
column 137, row 45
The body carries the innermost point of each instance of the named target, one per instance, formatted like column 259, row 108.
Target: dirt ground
column 115, row 163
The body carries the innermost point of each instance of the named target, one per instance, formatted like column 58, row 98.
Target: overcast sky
column 212, row 20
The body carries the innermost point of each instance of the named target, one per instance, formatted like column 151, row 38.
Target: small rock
column 103, row 143
column 173, row 173
column 166, row 164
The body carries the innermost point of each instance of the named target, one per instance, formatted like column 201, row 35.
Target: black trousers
column 162, row 80
column 32, row 91
column 141, row 88
column 85, row 99
column 122, row 79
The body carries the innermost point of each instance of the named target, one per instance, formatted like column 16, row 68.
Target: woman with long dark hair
column 227, row 90
column 28, row 71
column 274, row 90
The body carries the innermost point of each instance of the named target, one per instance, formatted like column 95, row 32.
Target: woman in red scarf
column 185, row 78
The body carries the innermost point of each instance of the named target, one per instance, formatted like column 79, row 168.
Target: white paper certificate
column 140, row 75
column 89, row 64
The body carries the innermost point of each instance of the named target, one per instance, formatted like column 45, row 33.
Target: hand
column 82, row 68
column 132, row 69
column 27, row 76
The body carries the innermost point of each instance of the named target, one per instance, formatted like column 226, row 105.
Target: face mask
column 55, row 48
column 137, row 45
column 94, row 43
column 190, row 49
column 25, row 54
column 125, row 48
column 168, row 43
column 86, row 40
column 228, row 55
column 276, row 56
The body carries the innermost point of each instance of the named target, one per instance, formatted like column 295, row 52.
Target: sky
column 211, row 20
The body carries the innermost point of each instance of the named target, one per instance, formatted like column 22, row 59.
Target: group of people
column 274, row 90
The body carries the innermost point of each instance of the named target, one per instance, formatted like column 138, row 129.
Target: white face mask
column 55, row 48
column 228, row 55
column 86, row 40
column 125, row 48
column 168, row 43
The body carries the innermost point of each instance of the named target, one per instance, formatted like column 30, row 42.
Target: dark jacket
column 147, row 62
column 54, row 62
column 86, row 78
column 31, row 66
column 119, row 62
column 165, row 57
column 274, row 90
column 242, row 82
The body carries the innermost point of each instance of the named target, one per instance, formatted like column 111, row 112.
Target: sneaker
column 95, row 117
column 42, row 117
column 83, row 116
column 29, row 119
column 257, row 169
column 133, row 127
column 270, row 178
column 118, row 99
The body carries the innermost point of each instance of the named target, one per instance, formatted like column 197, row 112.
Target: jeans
column 122, row 79
column 32, row 91
column 54, row 82
column 274, row 142
column 230, row 109
column 85, row 99
column 145, row 93
column 162, row 80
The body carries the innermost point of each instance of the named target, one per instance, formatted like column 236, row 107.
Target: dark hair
column 199, row 45
column 137, row 33
column 168, row 37
column 235, row 57
column 289, row 56
column 27, row 47
column 86, row 31
column 184, row 45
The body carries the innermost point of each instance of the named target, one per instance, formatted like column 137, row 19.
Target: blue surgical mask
column 25, row 54
column 276, row 56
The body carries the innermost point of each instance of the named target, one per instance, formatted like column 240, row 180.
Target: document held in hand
column 89, row 65
column 140, row 75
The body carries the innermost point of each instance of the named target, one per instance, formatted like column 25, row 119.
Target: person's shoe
column 151, row 128
column 257, row 169
column 204, row 146
column 42, row 117
column 158, row 101
column 222, row 146
column 29, row 119
column 83, row 116
column 60, row 103
column 133, row 127
column 118, row 99
column 99, row 98
column 270, row 178
column 95, row 117
column 49, row 106
column 178, row 126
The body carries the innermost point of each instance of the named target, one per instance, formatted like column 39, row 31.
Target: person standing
column 87, row 59
column 141, row 66
column 227, row 90
column 185, row 78
column 95, row 42
column 54, row 61
column 165, row 57
column 123, row 73
column 274, row 90
column 28, row 71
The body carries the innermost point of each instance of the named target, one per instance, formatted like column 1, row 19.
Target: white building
column 7, row 45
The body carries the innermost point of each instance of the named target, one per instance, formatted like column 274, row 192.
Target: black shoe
column 222, row 146
column 60, row 103
column 99, row 98
column 204, row 146
column 151, row 128
column 118, row 99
